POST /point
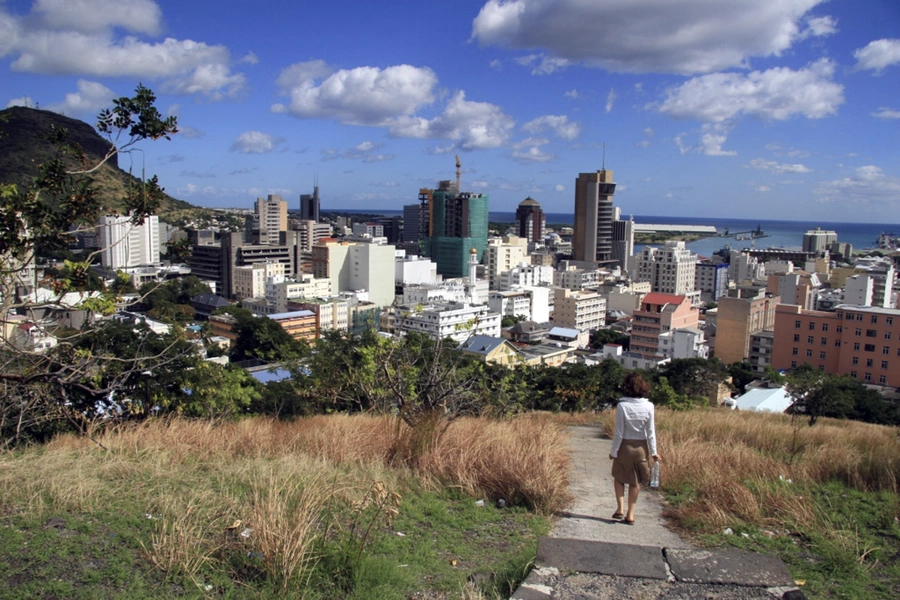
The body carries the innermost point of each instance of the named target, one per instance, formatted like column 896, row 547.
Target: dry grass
column 748, row 466
column 276, row 478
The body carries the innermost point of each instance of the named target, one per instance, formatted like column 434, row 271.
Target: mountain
column 24, row 145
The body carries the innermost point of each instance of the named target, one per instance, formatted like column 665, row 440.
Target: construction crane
column 458, row 175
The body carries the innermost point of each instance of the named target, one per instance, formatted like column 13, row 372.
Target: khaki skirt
column 632, row 465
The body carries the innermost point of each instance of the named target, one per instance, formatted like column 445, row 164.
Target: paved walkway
column 590, row 556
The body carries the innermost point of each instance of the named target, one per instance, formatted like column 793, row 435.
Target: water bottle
column 654, row 475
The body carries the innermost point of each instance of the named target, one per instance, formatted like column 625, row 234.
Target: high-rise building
column 502, row 255
column 748, row 311
column 594, row 217
column 457, row 223
column 623, row 243
column 272, row 215
column 415, row 223
column 818, row 240
column 711, row 280
column 124, row 244
column 309, row 205
column 530, row 220
column 670, row 269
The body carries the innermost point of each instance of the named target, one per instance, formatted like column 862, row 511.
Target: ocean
column 780, row 234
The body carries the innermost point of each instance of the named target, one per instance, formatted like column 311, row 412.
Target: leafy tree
column 262, row 338
column 599, row 337
column 663, row 394
column 60, row 387
column 741, row 373
column 818, row 394
column 695, row 377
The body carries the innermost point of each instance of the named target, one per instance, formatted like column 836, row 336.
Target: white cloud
column 775, row 94
column 819, row 27
column 475, row 125
column 189, row 132
column 610, row 100
column 878, row 55
column 360, row 96
column 558, row 124
column 687, row 37
column 255, row 142
column 83, row 37
column 250, row 58
column 778, row 168
column 366, row 152
column 90, row 98
column 95, row 16
column 711, row 144
column 530, row 150
column 559, row 187
column 869, row 185
column 25, row 101
column 573, row 93
column 648, row 131
column 496, row 65
column 763, row 188
column 886, row 113
column 541, row 64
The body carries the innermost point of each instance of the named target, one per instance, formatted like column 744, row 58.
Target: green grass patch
column 852, row 552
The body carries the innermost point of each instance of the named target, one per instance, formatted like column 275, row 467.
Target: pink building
column 658, row 314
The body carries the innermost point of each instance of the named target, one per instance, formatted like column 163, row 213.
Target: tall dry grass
column 193, row 478
column 752, row 467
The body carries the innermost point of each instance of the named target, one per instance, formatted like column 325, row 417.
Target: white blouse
column 634, row 421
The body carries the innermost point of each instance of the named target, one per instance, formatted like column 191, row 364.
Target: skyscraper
column 124, row 244
column 530, row 220
column 457, row 222
column 594, row 217
column 309, row 205
column 272, row 215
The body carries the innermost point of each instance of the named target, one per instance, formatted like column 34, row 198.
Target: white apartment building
column 525, row 275
column 353, row 266
column 627, row 298
column 743, row 268
column 414, row 270
column 670, row 269
column 581, row 310
column 280, row 290
column 124, row 245
column 372, row 230
column 250, row 280
column 332, row 314
column 574, row 278
column 502, row 255
column 511, row 304
column 455, row 320
column 688, row 342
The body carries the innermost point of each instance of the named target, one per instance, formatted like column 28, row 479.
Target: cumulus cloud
column 819, row 26
column 778, row 168
column 25, row 101
column 84, row 37
column 475, row 125
column 573, row 93
column 559, row 187
column 713, row 137
column 638, row 36
column 867, row 185
column 878, row 55
column 367, row 152
column 558, row 124
column 541, row 64
column 531, row 150
column 250, row 58
column 610, row 100
column 255, row 142
column 90, row 98
column 360, row 96
column 776, row 94
column 886, row 113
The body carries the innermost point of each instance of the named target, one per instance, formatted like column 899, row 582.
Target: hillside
column 24, row 145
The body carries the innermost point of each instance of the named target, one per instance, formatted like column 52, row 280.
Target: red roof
column 657, row 298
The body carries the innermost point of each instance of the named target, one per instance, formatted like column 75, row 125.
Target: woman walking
column 634, row 444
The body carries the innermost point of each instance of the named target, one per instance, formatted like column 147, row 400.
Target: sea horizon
column 786, row 234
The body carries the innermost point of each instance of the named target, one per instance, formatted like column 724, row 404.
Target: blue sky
column 784, row 109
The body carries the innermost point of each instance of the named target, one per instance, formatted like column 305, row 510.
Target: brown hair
column 636, row 386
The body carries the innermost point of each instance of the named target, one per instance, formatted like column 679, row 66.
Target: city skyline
column 779, row 109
